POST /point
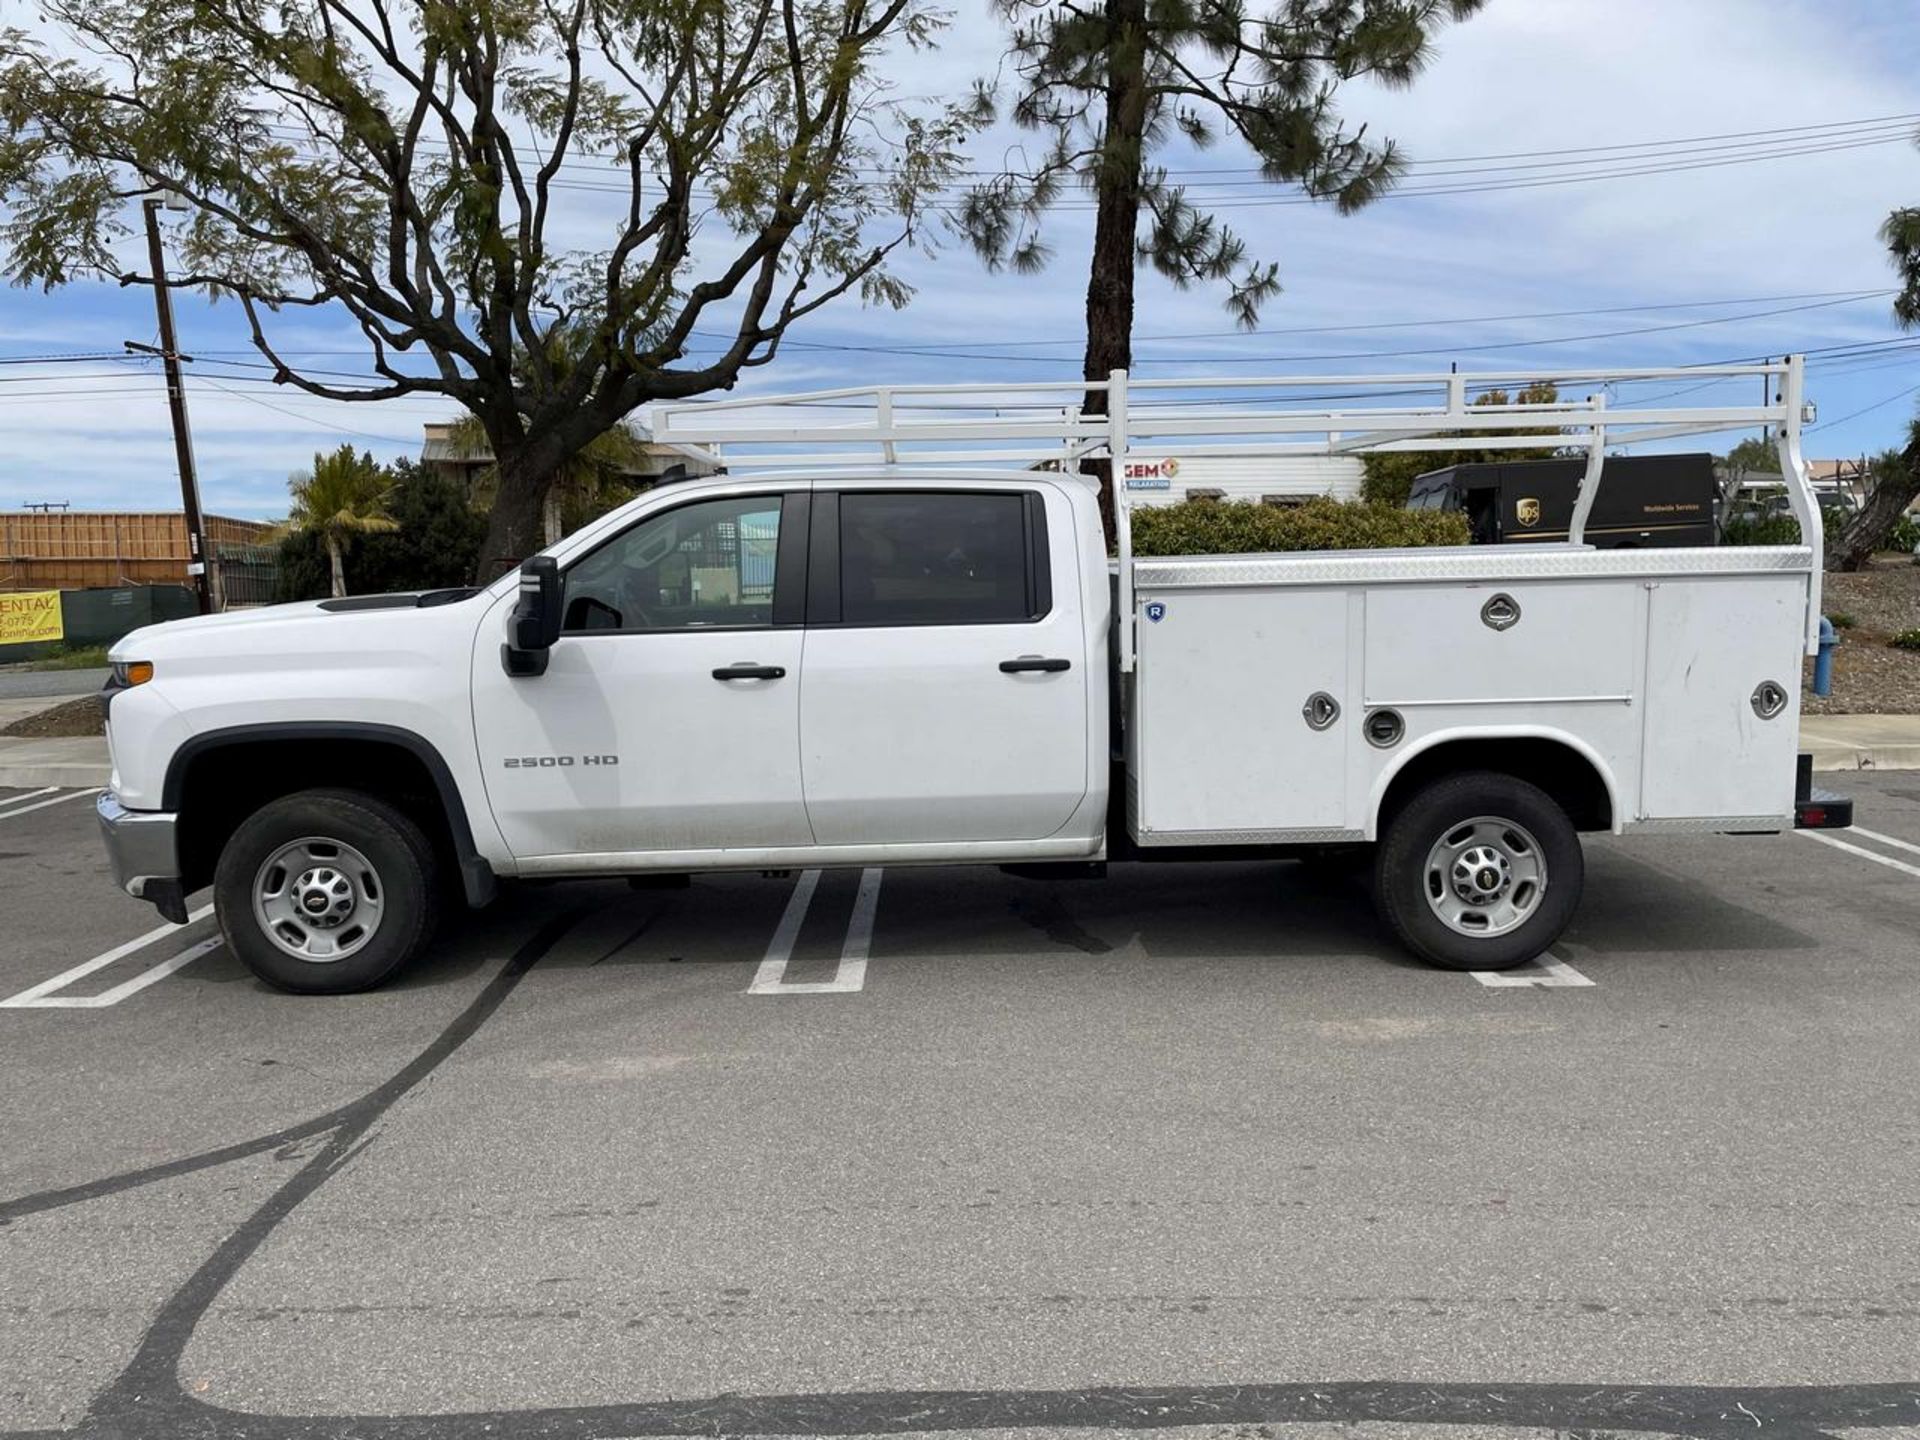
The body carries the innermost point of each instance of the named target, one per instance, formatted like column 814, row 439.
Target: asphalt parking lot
column 938, row 1150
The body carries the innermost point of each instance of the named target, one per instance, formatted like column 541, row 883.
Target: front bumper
column 144, row 852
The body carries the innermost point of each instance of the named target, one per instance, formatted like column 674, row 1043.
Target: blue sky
column 1743, row 258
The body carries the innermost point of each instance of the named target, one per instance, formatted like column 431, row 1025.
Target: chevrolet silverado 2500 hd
column 900, row 640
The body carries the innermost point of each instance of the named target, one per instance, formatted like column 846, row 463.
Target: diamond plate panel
column 1473, row 563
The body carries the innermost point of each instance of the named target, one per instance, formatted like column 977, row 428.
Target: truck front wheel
column 1479, row 871
column 325, row 891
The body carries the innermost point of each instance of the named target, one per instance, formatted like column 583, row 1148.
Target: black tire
column 1443, row 810
column 399, row 877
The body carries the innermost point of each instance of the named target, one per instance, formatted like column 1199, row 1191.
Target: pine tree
column 1111, row 83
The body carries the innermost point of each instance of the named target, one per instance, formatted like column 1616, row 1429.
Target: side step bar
column 1817, row 809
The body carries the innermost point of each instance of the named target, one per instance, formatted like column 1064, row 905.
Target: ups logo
column 1527, row 511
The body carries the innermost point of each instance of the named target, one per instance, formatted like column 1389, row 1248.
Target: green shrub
column 1906, row 535
column 1842, row 620
column 1216, row 528
column 1770, row 530
column 1906, row 640
column 437, row 544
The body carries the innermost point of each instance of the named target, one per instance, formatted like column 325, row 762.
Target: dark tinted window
column 934, row 559
column 703, row 566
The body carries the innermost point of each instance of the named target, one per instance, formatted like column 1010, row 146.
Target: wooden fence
column 86, row 550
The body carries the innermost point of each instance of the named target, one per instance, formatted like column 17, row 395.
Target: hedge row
column 1766, row 530
column 1212, row 527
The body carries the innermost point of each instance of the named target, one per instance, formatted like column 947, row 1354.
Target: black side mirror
column 536, row 618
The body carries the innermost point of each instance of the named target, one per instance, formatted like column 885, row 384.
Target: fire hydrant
column 1823, row 662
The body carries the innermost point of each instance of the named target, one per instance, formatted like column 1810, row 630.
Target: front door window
column 704, row 566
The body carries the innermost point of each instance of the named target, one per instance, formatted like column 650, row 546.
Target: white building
column 1261, row 479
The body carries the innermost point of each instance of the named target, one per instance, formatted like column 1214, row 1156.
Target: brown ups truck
column 1645, row 501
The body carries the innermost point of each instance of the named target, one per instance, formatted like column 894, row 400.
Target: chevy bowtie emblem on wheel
column 1527, row 511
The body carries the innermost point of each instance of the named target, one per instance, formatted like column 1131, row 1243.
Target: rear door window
column 941, row 558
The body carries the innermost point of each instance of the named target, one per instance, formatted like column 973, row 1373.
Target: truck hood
column 298, row 624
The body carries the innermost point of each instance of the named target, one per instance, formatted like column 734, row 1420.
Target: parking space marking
column 43, row 996
column 770, row 979
column 57, row 800
column 1543, row 974
column 26, row 795
column 1891, row 864
column 1907, row 845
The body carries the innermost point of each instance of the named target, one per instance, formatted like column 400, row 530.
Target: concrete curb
column 1875, row 757
column 67, row 777
column 76, row 763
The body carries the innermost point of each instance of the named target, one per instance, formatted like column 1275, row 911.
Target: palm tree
column 342, row 496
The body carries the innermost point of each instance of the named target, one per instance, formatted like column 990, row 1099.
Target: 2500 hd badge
column 549, row 762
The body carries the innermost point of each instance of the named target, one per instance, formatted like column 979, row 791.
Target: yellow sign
column 29, row 616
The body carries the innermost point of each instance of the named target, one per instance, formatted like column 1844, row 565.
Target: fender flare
column 476, row 873
column 1384, row 781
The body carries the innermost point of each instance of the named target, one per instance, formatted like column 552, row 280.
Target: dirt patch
column 69, row 718
column 1870, row 677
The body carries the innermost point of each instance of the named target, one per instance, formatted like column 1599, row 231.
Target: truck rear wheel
column 324, row 892
column 1479, row 871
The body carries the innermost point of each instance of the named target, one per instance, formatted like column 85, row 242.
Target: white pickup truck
column 836, row 656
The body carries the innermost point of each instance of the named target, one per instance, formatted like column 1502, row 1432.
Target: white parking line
column 1826, row 839
column 57, row 800
column 1883, row 839
column 1544, row 973
column 42, row 996
column 28, row 795
column 770, row 979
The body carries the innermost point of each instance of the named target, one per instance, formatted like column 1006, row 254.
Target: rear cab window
column 929, row 558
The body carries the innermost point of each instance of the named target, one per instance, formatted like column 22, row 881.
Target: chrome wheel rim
column 318, row 900
column 1485, row 877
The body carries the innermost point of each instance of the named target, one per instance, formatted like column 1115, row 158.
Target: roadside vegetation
column 433, row 541
column 1213, row 527
column 74, row 657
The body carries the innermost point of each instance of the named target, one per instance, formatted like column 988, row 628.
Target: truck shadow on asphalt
column 1632, row 906
column 1277, row 912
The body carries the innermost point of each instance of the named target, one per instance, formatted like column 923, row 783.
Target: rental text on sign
column 30, row 616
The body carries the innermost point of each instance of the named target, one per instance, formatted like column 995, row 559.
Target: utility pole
column 204, row 572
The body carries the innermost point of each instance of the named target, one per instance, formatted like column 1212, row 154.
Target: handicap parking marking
column 1542, row 974
column 770, row 978
column 1865, row 854
column 44, row 996
column 42, row 804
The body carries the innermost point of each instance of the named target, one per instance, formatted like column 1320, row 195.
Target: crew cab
column 877, row 662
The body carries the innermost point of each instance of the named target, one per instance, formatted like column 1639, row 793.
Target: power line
column 1821, row 130
column 1867, row 410
column 1662, row 157
column 1324, row 358
column 1075, row 341
column 1668, row 165
column 310, row 419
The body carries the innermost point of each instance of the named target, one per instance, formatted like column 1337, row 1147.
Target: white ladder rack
column 1033, row 424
